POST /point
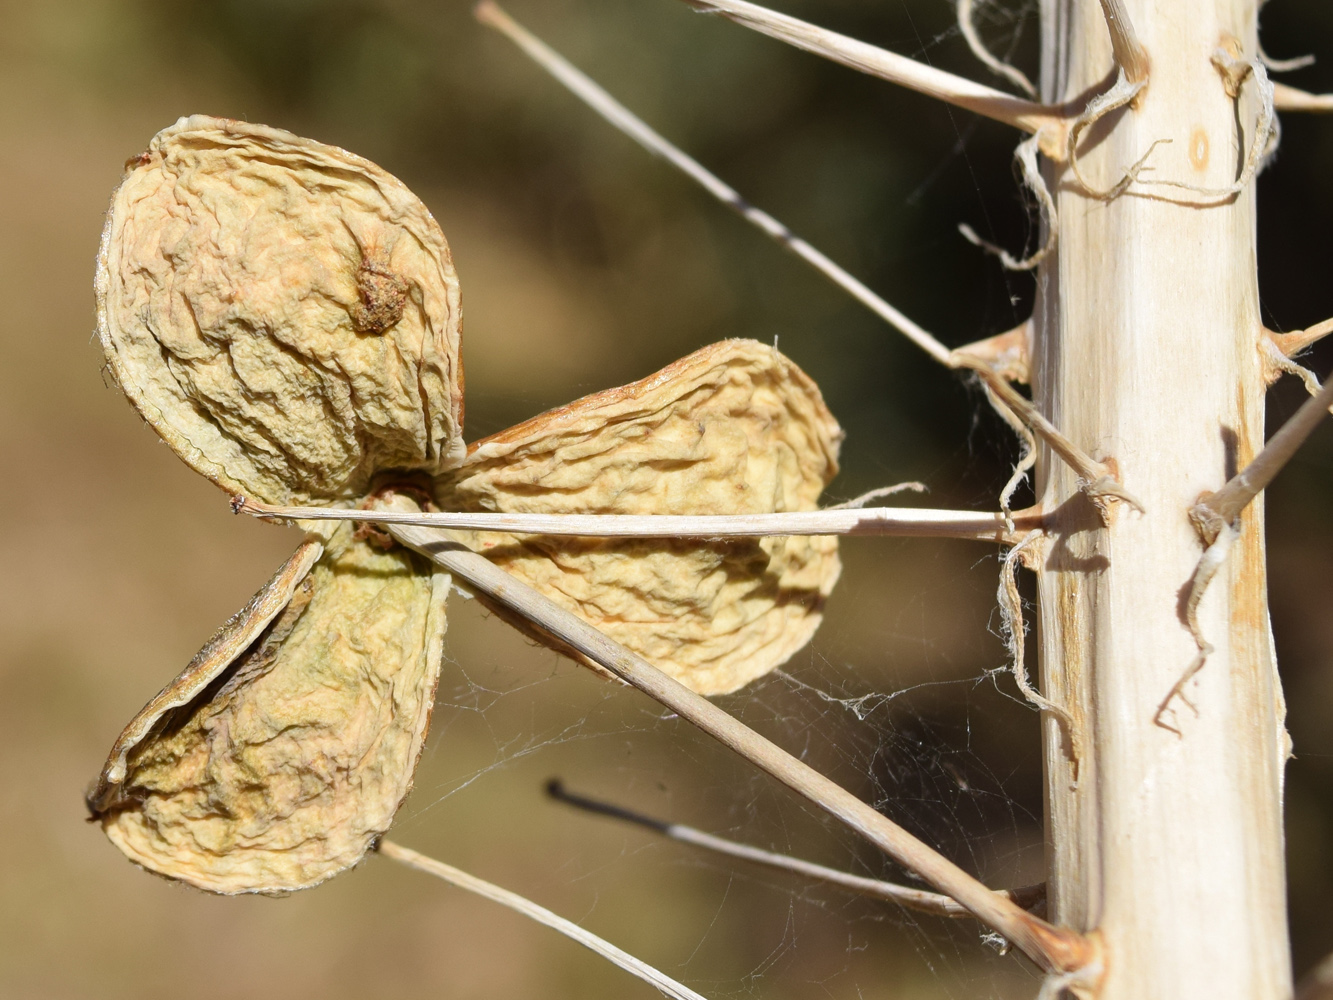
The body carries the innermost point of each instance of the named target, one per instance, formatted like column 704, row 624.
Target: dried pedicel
column 286, row 316
column 734, row 428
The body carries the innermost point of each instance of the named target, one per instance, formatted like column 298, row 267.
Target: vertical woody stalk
column 1145, row 348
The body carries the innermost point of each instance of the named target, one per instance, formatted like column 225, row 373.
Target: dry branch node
column 1216, row 511
column 1292, row 344
column 1006, row 354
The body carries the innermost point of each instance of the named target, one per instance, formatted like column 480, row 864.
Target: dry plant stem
column 1130, row 55
column 913, row 899
column 1234, row 73
column 967, row 25
column 1144, row 348
column 617, row 114
column 1050, row 122
column 1052, row 948
column 1216, row 511
column 454, row 876
column 902, row 522
column 1287, row 98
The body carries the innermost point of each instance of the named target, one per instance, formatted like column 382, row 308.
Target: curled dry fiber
column 286, row 316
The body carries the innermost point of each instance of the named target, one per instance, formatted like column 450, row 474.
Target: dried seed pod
column 285, row 314
column 276, row 769
column 734, row 428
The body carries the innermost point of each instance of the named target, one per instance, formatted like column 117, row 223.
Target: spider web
column 934, row 754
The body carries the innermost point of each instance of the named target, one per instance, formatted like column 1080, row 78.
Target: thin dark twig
column 934, row 903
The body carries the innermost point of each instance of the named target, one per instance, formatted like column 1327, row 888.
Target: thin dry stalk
column 617, row 114
column 1027, row 457
column 1287, row 98
column 1130, row 55
column 857, row 503
column 900, row 522
column 1217, row 511
column 913, row 899
column 1284, row 65
column 1048, row 121
column 968, row 26
column 1054, row 949
column 455, row 876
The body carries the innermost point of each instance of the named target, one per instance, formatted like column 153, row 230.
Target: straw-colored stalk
column 1165, row 834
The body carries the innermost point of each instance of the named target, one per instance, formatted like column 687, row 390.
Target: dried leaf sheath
column 733, row 428
column 285, row 314
column 284, row 770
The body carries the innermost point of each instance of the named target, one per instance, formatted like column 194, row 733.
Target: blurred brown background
column 584, row 264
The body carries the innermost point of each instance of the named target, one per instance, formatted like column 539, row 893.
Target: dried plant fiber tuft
column 735, row 428
column 284, row 768
column 285, row 314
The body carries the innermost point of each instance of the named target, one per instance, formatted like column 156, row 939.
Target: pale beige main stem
column 1146, row 329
